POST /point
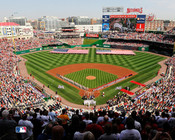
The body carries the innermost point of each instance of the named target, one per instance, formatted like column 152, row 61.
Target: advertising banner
column 27, row 51
column 105, row 27
column 123, row 16
column 106, row 45
column 105, row 18
column 4, row 31
column 13, row 31
column 134, row 10
column 92, row 35
column 140, row 27
column 141, row 18
column 113, row 9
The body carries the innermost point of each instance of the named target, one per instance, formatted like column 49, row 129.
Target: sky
column 33, row 9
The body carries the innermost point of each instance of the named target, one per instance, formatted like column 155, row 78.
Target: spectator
column 28, row 125
column 7, row 127
column 57, row 132
column 130, row 132
column 79, row 135
column 108, row 133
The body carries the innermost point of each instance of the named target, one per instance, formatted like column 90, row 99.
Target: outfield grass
column 101, row 77
column 145, row 64
column 89, row 41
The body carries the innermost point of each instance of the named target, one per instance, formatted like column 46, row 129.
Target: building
column 89, row 28
column 84, row 20
column 34, row 23
column 51, row 23
column 80, row 20
column 13, row 30
column 25, row 32
column 19, row 20
column 8, row 29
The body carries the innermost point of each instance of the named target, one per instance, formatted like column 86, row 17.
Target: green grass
column 145, row 64
column 101, row 77
column 89, row 41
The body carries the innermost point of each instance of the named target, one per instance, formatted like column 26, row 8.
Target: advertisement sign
column 140, row 27
column 150, row 17
column 106, row 45
column 42, row 24
column 105, row 26
column 123, row 16
column 26, row 30
column 134, row 10
column 13, row 31
column 105, row 18
column 4, row 31
column 92, row 35
column 112, row 9
column 141, row 18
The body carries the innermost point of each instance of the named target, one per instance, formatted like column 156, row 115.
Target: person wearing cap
column 28, row 125
column 130, row 132
column 7, row 127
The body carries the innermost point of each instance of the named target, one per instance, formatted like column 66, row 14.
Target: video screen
column 123, row 24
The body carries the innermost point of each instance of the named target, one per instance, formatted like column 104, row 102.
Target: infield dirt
column 117, row 70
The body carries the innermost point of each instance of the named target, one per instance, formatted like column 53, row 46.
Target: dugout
column 51, row 46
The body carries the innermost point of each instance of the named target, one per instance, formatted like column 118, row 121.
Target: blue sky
column 32, row 9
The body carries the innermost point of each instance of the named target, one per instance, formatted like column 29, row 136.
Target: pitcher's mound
column 90, row 77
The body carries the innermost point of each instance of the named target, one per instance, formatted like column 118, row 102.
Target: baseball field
column 91, row 70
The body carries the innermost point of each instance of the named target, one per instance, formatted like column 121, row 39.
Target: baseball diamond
column 42, row 65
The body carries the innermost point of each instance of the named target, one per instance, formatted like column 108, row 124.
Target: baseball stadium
column 68, row 82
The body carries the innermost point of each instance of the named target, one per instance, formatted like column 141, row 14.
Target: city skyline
column 162, row 9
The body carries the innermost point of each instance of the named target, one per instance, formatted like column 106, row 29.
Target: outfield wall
column 27, row 51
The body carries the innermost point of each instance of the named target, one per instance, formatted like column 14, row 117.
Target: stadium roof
column 8, row 24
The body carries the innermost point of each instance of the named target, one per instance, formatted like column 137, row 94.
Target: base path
column 117, row 70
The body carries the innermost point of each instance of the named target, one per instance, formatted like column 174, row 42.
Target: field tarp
column 127, row 91
column 73, row 46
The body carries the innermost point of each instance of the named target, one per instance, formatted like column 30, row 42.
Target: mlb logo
column 21, row 129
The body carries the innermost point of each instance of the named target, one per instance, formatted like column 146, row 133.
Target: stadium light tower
column 13, row 33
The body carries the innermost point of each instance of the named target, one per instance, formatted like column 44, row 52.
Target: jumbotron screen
column 123, row 23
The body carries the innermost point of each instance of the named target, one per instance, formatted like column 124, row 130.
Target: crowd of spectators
column 142, row 36
column 13, row 89
column 136, row 119
column 160, row 95
column 171, row 32
column 126, row 44
column 98, row 125
column 21, row 44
